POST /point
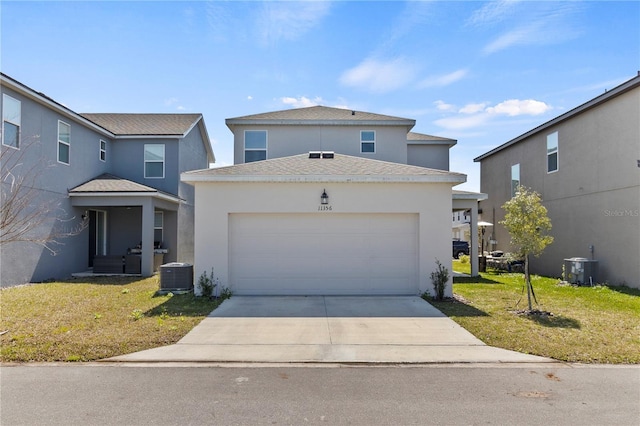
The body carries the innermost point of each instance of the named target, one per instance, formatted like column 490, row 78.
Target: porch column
column 146, row 266
column 474, row 239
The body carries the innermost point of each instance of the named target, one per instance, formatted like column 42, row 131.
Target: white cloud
column 249, row 98
column 475, row 115
column 379, row 76
column 520, row 36
column 172, row 102
column 443, row 106
column 492, row 12
column 289, row 20
column 443, row 80
column 473, row 108
column 463, row 122
column 301, row 102
column 414, row 14
column 515, row 107
column 546, row 23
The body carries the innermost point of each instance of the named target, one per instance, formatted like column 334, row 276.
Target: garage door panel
column 323, row 254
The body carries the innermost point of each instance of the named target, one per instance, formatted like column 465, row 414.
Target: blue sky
column 479, row 72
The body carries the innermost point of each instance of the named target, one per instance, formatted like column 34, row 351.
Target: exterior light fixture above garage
column 324, row 198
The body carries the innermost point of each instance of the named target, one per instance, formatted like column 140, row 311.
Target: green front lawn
column 589, row 324
column 90, row 320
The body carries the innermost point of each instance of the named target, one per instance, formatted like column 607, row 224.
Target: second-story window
column 515, row 179
column 368, row 141
column 11, row 118
column 154, row 160
column 255, row 145
column 103, row 150
column 552, row 152
column 64, row 142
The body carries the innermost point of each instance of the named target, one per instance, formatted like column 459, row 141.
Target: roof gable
column 110, row 185
column 145, row 124
column 320, row 115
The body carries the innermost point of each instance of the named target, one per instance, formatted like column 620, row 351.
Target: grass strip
column 86, row 320
column 599, row 324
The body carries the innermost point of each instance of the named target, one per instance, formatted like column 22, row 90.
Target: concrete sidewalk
column 329, row 329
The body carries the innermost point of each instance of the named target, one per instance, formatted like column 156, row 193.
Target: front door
column 97, row 234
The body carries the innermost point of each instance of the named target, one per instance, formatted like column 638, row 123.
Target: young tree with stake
column 527, row 222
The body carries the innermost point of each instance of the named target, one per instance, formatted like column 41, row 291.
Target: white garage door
column 329, row 254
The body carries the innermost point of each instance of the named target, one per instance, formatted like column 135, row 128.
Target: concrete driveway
column 329, row 329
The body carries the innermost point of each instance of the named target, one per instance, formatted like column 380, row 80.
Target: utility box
column 581, row 271
column 176, row 276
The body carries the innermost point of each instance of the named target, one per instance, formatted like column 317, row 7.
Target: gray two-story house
column 106, row 185
column 327, row 201
column 585, row 164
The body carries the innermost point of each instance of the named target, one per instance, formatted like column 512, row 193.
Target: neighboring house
column 461, row 220
column 586, row 166
column 326, row 201
column 116, row 175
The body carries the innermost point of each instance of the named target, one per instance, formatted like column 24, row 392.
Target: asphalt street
column 202, row 394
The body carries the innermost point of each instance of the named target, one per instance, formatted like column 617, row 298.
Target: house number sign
column 324, row 208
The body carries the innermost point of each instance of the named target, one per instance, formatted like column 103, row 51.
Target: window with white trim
column 64, row 142
column 367, row 141
column 255, row 145
column 552, row 152
column 158, row 225
column 11, row 121
column 103, row 150
column 154, row 160
column 515, row 179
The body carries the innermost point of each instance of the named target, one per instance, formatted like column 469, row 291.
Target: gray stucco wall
column 430, row 156
column 594, row 197
column 28, row 262
column 124, row 226
column 283, row 141
column 193, row 156
column 128, row 162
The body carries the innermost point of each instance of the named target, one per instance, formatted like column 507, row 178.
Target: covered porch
column 132, row 227
column 468, row 201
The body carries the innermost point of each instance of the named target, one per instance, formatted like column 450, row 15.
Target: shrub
column 439, row 278
column 463, row 258
column 207, row 284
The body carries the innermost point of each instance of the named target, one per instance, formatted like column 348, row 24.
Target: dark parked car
column 460, row 247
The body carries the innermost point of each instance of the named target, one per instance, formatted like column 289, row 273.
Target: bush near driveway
column 589, row 324
column 93, row 319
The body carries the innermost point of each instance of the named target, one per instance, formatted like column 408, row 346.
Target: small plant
column 463, row 258
column 164, row 315
column 439, row 278
column 97, row 316
column 207, row 284
column 137, row 314
column 226, row 293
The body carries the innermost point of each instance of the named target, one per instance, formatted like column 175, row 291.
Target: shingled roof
column 319, row 115
column 421, row 138
column 108, row 184
column 340, row 168
column 145, row 124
